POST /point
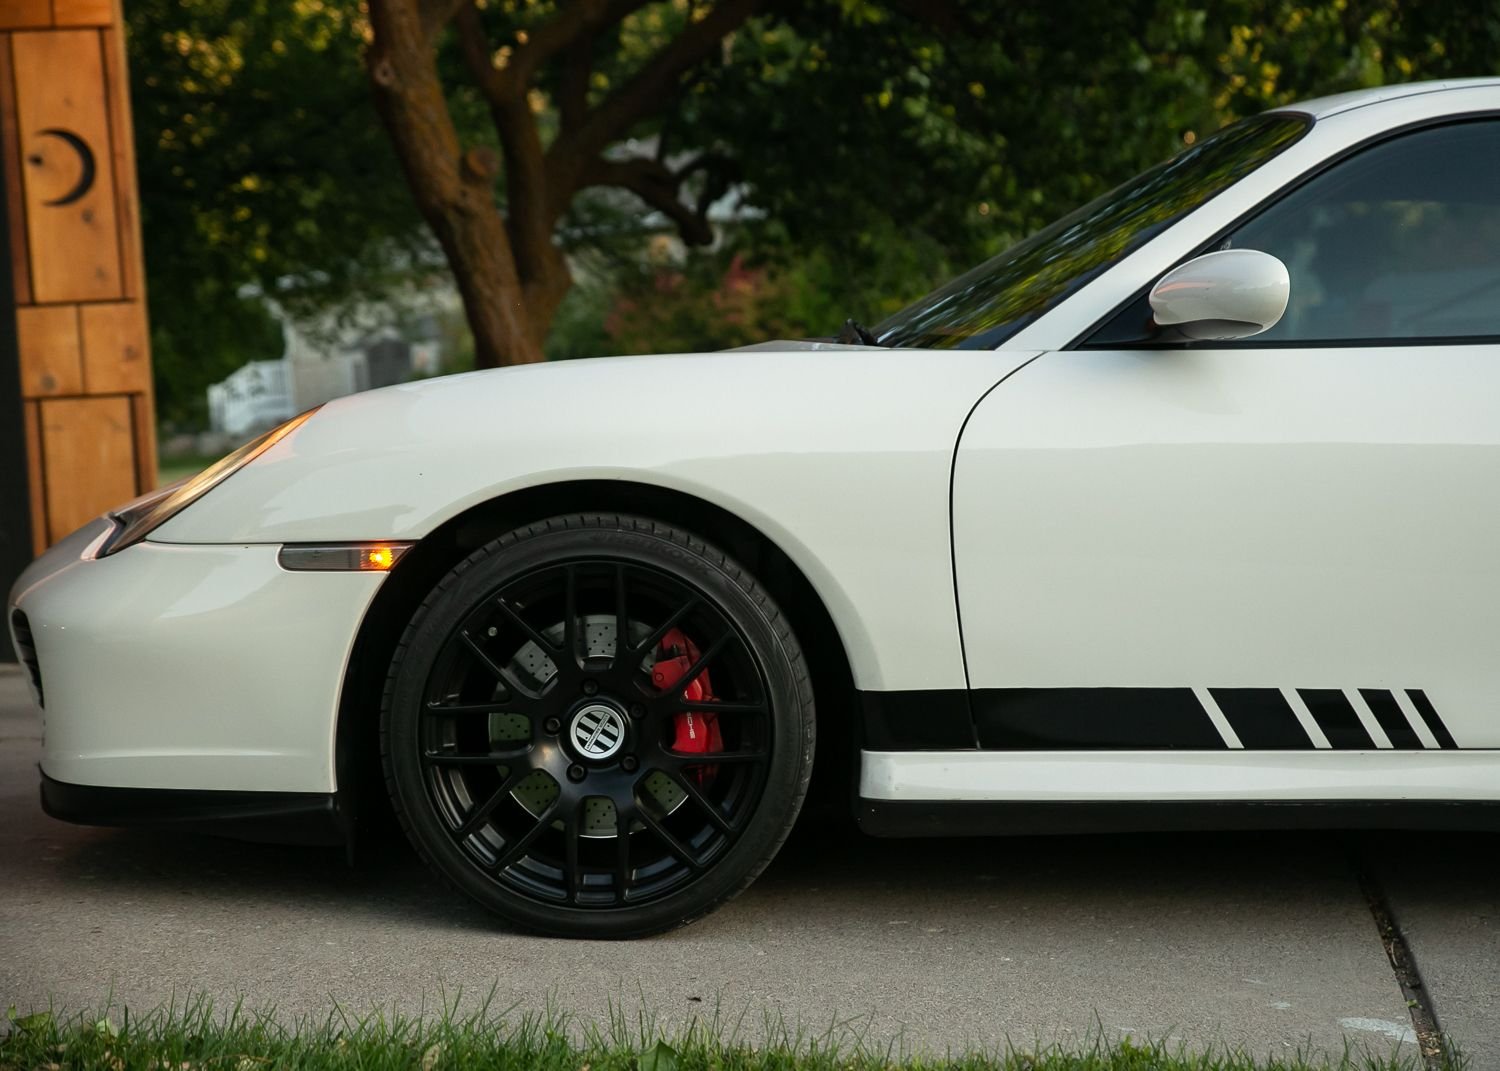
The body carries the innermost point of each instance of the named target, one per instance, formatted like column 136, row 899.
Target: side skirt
column 311, row 818
column 948, row 818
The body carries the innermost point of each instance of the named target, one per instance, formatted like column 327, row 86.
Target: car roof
column 1322, row 107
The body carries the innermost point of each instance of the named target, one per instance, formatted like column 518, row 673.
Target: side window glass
column 1401, row 241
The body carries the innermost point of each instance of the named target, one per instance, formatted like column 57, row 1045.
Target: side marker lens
column 342, row 557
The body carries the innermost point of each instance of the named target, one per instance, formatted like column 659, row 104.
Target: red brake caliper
column 696, row 732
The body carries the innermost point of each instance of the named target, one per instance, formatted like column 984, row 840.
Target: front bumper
column 275, row 817
column 188, row 668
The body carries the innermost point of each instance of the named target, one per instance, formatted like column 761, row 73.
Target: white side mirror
column 1235, row 293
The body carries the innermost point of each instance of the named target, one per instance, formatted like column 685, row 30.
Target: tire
column 598, row 726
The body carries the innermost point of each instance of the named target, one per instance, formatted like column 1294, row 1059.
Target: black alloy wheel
column 598, row 726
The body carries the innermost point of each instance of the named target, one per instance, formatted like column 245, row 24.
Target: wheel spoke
column 622, row 851
column 436, row 709
column 622, row 619
column 514, row 617
column 667, row 837
column 516, row 851
column 650, row 642
column 716, row 817
column 572, row 874
column 514, row 689
column 480, row 813
column 712, row 706
column 681, row 760
column 692, row 672
column 570, row 616
column 489, row 758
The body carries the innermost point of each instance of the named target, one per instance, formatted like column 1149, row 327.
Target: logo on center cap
column 598, row 731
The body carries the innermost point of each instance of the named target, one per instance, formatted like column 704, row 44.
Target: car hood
column 396, row 462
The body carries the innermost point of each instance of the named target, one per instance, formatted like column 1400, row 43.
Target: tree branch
column 453, row 189
column 433, row 15
column 648, row 90
column 530, row 211
column 659, row 186
column 575, row 21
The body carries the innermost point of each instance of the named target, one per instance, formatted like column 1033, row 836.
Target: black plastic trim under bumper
column 274, row 817
column 965, row 818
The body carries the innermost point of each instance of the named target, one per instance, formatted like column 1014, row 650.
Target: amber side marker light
column 342, row 557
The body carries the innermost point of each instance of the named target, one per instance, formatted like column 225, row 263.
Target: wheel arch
column 356, row 755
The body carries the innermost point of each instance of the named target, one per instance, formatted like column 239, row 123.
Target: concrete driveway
column 1264, row 941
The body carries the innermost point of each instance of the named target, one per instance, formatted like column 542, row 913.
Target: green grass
column 196, row 1037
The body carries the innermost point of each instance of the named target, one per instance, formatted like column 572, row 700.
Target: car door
column 1288, row 543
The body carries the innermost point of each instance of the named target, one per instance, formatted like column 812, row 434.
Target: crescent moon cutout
column 86, row 157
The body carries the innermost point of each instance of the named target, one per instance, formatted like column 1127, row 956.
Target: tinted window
column 984, row 307
column 1401, row 241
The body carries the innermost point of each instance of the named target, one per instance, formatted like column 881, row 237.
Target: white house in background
column 329, row 361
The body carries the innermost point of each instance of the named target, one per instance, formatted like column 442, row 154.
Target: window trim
column 1082, row 340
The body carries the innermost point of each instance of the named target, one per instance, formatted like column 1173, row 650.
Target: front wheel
column 598, row 726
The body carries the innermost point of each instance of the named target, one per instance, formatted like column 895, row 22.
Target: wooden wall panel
column 122, row 140
column 67, row 166
column 67, row 176
column 34, row 480
column 10, row 178
column 83, row 12
column 51, row 355
column 114, row 348
column 25, row 14
column 88, row 459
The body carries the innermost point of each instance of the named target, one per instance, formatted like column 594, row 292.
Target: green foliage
column 194, row 1038
column 883, row 145
column 263, row 170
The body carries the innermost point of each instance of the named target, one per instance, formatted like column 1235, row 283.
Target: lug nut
column 576, row 772
column 590, row 687
column 629, row 763
column 552, row 725
column 637, row 711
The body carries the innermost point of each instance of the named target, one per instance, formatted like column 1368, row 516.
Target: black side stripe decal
column 1388, row 713
column 1128, row 719
column 1261, row 718
column 1330, row 708
column 1068, row 719
column 1430, row 716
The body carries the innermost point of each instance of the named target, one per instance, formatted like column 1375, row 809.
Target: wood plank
column 51, row 357
column 83, row 12
column 35, row 486
column 10, row 160
column 88, row 459
column 67, row 166
column 25, row 14
column 122, row 140
column 143, row 410
column 114, row 348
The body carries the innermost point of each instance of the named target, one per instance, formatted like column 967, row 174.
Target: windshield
column 984, row 307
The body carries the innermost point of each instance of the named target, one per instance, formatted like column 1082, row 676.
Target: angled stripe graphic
column 1261, row 719
column 1367, row 717
column 1215, row 715
column 1430, row 716
column 1392, row 719
column 1414, row 719
column 1337, row 719
column 1309, row 723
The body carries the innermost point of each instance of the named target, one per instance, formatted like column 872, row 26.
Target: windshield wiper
column 854, row 333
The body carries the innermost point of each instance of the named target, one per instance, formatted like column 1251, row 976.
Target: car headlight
column 137, row 519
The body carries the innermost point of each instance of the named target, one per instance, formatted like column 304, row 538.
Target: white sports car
column 1174, row 513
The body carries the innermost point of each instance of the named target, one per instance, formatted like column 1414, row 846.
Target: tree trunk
column 453, row 189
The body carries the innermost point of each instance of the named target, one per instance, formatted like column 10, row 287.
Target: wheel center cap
column 597, row 731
